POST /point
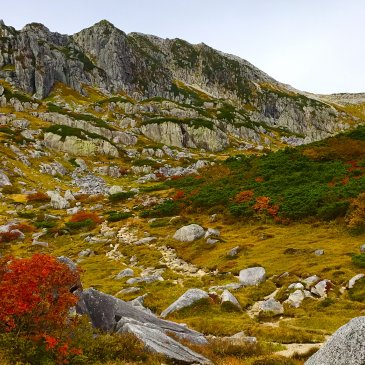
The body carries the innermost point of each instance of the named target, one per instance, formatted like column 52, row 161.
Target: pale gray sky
column 314, row 45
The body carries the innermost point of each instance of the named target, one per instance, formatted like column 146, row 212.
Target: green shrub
column 44, row 224
column 333, row 210
column 359, row 260
column 87, row 223
column 121, row 196
column 168, row 208
column 118, row 216
column 10, row 189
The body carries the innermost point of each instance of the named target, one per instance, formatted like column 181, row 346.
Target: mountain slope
column 238, row 101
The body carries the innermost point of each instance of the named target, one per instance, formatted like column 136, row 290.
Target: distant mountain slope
column 246, row 103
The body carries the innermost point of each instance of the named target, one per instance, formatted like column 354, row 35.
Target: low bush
column 38, row 197
column 359, row 260
column 121, row 196
column 118, row 216
column 10, row 189
column 83, row 220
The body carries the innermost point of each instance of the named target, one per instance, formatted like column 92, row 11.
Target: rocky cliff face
column 237, row 99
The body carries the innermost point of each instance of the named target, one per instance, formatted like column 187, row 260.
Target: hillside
column 111, row 143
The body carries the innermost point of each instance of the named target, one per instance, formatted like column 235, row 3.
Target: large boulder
column 252, row 276
column 156, row 340
column 115, row 315
column 190, row 297
column 189, row 233
column 344, row 347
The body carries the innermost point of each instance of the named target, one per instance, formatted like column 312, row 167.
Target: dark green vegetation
column 318, row 180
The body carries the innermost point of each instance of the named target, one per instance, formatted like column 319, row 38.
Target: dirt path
column 299, row 348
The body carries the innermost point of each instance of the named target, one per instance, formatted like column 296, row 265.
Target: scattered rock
column 353, row 280
column 212, row 241
column 311, row 280
column 228, row 297
column 233, row 251
column 86, row 253
column 190, row 297
column 212, row 232
column 189, row 233
column 241, row 338
column 145, row 279
column 252, row 276
column 362, row 248
column 4, row 180
column 321, row 288
column 295, row 299
column 299, row 286
column 319, row 252
column 125, row 273
column 271, row 306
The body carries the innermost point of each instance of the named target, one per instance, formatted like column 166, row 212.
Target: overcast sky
column 313, row 45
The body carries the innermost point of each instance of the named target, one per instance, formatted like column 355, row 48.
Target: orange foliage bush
column 178, row 195
column 38, row 197
column 356, row 219
column 36, row 300
column 10, row 236
column 244, row 196
column 83, row 216
column 23, row 227
column 263, row 206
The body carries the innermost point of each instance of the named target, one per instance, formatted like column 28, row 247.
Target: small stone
column 212, row 232
column 299, row 286
column 125, row 273
column 311, row 280
column 362, row 248
column 295, row 299
column 321, row 289
column 319, row 252
column 228, row 297
column 353, row 280
column 233, row 251
column 212, row 241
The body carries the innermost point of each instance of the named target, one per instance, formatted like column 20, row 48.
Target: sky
column 313, row 45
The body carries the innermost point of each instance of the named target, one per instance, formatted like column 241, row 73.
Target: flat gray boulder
column 190, row 297
column 157, row 341
column 344, row 347
column 189, row 233
column 115, row 315
column 252, row 276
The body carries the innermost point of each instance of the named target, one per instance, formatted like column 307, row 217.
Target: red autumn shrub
column 83, row 216
column 36, row 300
column 244, row 196
column 178, row 195
column 9, row 236
column 38, row 197
column 23, row 227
